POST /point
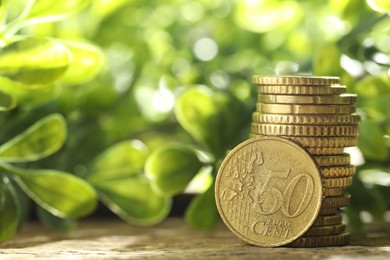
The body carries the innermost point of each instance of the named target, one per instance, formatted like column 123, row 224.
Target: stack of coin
column 315, row 113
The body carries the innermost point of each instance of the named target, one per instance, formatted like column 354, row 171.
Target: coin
column 323, row 142
column 343, row 182
column 333, row 160
column 305, row 109
column 336, row 202
column 325, row 151
column 338, row 171
column 334, row 192
column 328, row 211
column 268, row 191
column 295, row 80
column 304, row 130
column 306, row 119
column 343, row 99
column 302, row 90
column 328, row 220
column 320, row 241
column 325, row 230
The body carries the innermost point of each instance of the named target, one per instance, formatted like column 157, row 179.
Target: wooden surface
column 173, row 239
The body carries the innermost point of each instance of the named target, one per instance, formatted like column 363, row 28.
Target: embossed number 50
column 283, row 200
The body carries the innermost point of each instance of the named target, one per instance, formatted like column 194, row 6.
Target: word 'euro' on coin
column 268, row 191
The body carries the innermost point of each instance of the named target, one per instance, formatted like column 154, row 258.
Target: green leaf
column 62, row 194
column 381, row 6
column 7, row 102
column 54, row 222
column 44, row 11
column 213, row 118
column 202, row 213
column 40, row 140
column 363, row 198
column 25, row 96
column 372, row 141
column 171, row 169
column 265, row 16
column 3, row 13
column 373, row 86
column 132, row 199
column 86, row 63
column 123, row 159
column 9, row 209
column 354, row 220
column 34, row 60
column 326, row 61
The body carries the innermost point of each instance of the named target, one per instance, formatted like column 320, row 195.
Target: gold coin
column 343, row 182
column 325, row 151
column 334, row 192
column 304, row 130
column 305, row 109
column 336, row 202
column 337, row 172
column 320, row 241
column 343, row 99
column 328, row 220
column 333, row 160
column 305, row 119
column 328, row 211
column 323, row 142
column 302, row 90
column 325, row 230
column 268, row 191
column 295, row 80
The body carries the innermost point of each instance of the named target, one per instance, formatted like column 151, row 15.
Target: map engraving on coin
column 268, row 191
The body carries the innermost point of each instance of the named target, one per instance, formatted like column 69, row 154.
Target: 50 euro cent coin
column 268, row 191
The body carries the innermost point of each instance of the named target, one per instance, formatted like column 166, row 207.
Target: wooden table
column 174, row 239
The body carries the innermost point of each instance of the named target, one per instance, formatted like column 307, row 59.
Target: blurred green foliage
column 166, row 85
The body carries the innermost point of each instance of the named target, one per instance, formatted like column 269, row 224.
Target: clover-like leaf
column 54, row 222
column 372, row 141
column 202, row 213
column 38, row 141
column 132, row 199
column 327, row 61
column 86, row 63
column 7, row 102
column 373, row 86
column 44, row 11
column 381, row 6
column 213, row 118
column 171, row 169
column 9, row 209
column 123, row 159
column 24, row 95
column 34, row 60
column 62, row 194
column 363, row 198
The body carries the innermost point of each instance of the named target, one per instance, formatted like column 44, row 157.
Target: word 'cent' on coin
column 268, row 191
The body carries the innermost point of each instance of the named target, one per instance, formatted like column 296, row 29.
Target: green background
column 128, row 101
